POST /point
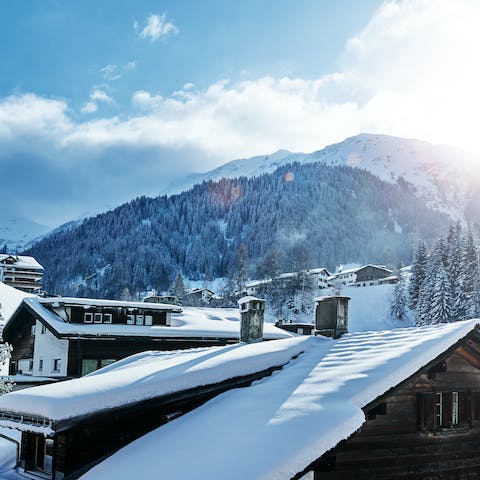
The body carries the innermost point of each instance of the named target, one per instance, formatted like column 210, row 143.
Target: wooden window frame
column 148, row 322
column 88, row 317
column 107, row 318
column 56, row 365
column 98, row 315
column 131, row 319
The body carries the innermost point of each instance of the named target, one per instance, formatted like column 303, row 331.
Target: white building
column 21, row 272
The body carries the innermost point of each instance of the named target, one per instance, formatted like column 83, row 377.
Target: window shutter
column 426, row 411
column 447, row 409
column 475, row 407
column 462, row 408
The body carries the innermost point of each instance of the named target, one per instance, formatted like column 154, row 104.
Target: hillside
column 309, row 214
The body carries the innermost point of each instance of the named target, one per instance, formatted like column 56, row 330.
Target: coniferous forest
column 445, row 281
column 308, row 215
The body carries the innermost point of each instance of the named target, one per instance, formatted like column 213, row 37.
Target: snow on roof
column 190, row 322
column 249, row 298
column 96, row 302
column 356, row 269
column 10, row 299
column 148, row 375
column 22, row 261
column 276, row 427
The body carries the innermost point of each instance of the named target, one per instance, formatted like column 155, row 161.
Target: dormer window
column 88, row 318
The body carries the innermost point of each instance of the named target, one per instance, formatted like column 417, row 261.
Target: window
column 33, row 329
column 30, row 365
column 139, row 319
column 89, row 365
column 148, row 320
column 130, row 319
column 98, row 317
column 88, row 318
column 442, row 410
column 107, row 318
column 300, row 331
column 40, row 364
column 43, row 331
column 56, row 365
column 454, row 408
column 106, row 361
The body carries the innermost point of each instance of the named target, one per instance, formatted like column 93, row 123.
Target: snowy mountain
column 16, row 232
column 441, row 175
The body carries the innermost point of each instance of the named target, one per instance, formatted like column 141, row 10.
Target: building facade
column 21, row 272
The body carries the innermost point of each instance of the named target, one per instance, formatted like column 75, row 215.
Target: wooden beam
column 469, row 356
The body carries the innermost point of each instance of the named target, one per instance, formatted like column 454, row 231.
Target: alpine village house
column 60, row 337
column 401, row 404
column 21, row 272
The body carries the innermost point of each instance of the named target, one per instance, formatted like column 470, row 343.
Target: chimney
column 251, row 312
column 331, row 316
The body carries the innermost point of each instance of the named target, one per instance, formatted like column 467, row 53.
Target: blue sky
column 59, row 48
column 102, row 101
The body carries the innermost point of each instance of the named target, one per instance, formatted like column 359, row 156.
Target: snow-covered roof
column 10, row 299
column 96, row 302
column 22, row 261
column 249, row 298
column 189, row 322
column 356, row 269
column 148, row 375
column 276, row 427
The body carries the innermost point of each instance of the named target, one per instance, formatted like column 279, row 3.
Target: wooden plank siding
column 23, row 341
column 394, row 444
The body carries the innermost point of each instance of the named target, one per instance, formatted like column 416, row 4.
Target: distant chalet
column 21, row 272
column 365, row 276
column 63, row 337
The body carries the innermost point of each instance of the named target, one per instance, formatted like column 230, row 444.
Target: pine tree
column 441, row 311
column 419, row 269
column 241, row 276
column 178, row 288
column 399, row 301
column 464, row 306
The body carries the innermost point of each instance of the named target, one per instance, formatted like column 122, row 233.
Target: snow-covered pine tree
column 419, row 269
column 241, row 276
column 441, row 306
column 178, row 288
column 454, row 266
column 464, row 306
column 399, row 301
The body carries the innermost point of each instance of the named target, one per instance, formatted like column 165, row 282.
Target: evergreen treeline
column 445, row 282
column 306, row 214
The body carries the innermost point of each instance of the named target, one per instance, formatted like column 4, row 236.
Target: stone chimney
column 251, row 326
column 331, row 316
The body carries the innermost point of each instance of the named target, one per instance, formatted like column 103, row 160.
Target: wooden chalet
column 69, row 337
column 298, row 328
column 399, row 404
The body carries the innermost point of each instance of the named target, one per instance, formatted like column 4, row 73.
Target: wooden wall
column 394, row 443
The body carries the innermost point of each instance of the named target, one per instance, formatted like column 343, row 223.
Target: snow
column 95, row 302
column 276, row 427
column 10, row 299
column 369, row 309
column 147, row 375
column 191, row 322
column 22, row 261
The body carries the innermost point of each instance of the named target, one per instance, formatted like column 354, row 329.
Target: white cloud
column 412, row 71
column 96, row 96
column 157, row 27
column 89, row 107
column 130, row 65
